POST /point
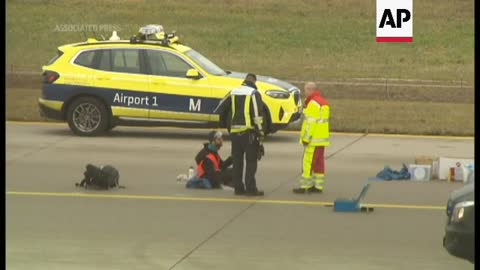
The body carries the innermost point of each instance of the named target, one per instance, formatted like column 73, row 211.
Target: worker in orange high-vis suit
column 315, row 136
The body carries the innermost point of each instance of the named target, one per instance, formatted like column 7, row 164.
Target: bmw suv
column 149, row 79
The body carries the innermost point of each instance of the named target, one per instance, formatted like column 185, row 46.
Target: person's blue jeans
column 196, row 182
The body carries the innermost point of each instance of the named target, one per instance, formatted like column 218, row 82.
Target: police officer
column 246, row 132
column 315, row 136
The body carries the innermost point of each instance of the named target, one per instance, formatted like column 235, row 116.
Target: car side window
column 157, row 65
column 85, row 59
column 167, row 64
column 105, row 61
column 127, row 61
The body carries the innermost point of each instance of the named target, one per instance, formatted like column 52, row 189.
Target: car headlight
column 459, row 210
column 278, row 94
column 296, row 95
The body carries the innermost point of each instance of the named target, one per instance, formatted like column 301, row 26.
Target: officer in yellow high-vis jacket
column 315, row 135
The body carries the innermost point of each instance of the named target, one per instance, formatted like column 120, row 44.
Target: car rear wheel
column 87, row 116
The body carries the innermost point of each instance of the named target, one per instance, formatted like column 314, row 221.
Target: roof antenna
column 114, row 36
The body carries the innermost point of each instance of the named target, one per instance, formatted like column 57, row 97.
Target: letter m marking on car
column 194, row 106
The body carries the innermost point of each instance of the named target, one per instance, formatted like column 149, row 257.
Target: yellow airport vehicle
column 150, row 79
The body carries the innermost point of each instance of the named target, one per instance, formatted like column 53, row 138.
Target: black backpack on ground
column 105, row 177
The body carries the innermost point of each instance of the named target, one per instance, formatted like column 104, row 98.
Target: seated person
column 212, row 171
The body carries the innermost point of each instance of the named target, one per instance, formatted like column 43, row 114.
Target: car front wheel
column 87, row 116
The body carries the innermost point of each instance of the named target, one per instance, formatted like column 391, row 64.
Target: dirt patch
column 348, row 115
column 24, row 80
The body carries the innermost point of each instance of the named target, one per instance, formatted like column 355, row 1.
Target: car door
column 122, row 77
column 174, row 96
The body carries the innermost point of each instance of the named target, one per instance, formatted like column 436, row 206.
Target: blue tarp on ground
column 389, row 174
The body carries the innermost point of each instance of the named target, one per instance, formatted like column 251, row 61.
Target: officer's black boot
column 255, row 193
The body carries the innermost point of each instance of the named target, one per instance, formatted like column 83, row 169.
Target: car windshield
column 206, row 64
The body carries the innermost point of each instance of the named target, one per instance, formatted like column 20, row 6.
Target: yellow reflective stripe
column 306, row 182
column 314, row 120
column 318, row 121
column 246, row 111
column 257, row 119
column 233, row 106
column 306, row 136
column 239, row 127
column 319, row 140
column 319, row 181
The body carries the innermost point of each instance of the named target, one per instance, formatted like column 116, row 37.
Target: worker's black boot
column 300, row 190
column 306, row 190
column 315, row 190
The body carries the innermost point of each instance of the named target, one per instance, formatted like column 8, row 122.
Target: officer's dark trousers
column 244, row 147
column 226, row 176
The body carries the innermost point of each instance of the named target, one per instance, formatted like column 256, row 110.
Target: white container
column 445, row 163
column 461, row 174
column 420, row 172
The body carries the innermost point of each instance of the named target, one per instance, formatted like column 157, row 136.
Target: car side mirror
column 193, row 74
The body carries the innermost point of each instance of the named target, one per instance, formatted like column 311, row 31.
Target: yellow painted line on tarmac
column 405, row 206
column 211, row 199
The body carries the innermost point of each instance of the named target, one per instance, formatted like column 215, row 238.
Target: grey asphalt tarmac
column 156, row 223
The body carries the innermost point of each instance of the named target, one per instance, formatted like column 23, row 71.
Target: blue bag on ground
column 389, row 174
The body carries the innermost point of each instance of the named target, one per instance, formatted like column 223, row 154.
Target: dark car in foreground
column 459, row 239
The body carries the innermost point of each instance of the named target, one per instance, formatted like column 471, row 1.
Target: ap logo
column 394, row 21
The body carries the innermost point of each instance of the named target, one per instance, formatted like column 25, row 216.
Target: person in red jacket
column 314, row 136
column 212, row 171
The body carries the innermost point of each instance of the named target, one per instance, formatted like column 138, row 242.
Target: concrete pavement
column 165, row 226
